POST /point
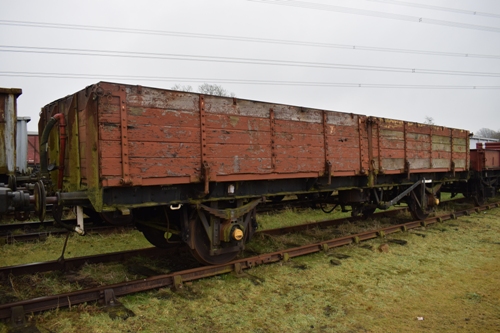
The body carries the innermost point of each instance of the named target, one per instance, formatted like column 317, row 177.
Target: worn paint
column 170, row 141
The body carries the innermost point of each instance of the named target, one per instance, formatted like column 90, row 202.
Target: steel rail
column 74, row 263
column 177, row 279
column 66, row 264
column 42, row 235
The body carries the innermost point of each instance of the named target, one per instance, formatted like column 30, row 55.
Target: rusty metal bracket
column 232, row 213
column 452, row 162
column 362, row 146
column 126, row 179
column 385, row 205
column 407, row 169
column 431, row 163
column 405, row 139
column 206, row 176
column 114, row 308
column 328, row 164
column 18, row 317
column 177, row 282
column 205, row 167
column 329, row 171
column 273, row 138
column 110, row 298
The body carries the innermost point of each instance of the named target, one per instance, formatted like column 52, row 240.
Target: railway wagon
column 8, row 123
column 485, row 163
column 186, row 167
column 33, row 149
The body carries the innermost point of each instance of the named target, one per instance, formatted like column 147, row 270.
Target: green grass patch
column 449, row 278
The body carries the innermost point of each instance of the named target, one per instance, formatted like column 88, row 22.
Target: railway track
column 109, row 293
column 28, row 234
column 75, row 263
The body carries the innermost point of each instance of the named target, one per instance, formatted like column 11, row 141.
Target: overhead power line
column 240, row 39
column 251, row 61
column 444, row 9
column 234, row 81
column 372, row 13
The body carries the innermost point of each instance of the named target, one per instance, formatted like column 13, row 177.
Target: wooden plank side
column 285, row 152
column 303, row 128
column 145, row 97
column 151, row 149
column 391, row 164
column 151, row 167
column 157, row 133
column 241, row 165
column 237, row 122
column 294, row 164
column 299, row 139
column 217, row 151
column 221, row 136
column 138, row 117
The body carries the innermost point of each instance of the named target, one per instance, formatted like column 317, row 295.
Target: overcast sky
column 396, row 59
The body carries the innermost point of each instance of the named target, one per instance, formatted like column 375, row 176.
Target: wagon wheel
column 478, row 196
column 416, row 211
column 362, row 210
column 201, row 243
column 368, row 212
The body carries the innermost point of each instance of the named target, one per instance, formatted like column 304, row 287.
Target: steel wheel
column 479, row 198
column 201, row 245
column 416, row 211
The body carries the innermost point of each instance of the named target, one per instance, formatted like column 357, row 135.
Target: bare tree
column 207, row 89
column 488, row 133
column 214, row 89
column 429, row 120
column 179, row 87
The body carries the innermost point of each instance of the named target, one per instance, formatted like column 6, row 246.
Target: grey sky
column 291, row 44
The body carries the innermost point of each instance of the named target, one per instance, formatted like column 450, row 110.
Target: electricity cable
column 239, row 39
column 235, row 81
column 251, row 61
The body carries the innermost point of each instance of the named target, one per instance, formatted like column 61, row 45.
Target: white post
column 79, row 217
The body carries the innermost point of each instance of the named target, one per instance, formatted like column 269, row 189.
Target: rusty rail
column 177, row 279
column 74, row 263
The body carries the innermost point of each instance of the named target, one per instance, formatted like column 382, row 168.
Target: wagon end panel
column 68, row 142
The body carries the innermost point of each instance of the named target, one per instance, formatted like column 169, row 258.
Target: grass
column 449, row 278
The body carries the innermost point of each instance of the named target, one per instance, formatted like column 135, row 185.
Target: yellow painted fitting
column 238, row 234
